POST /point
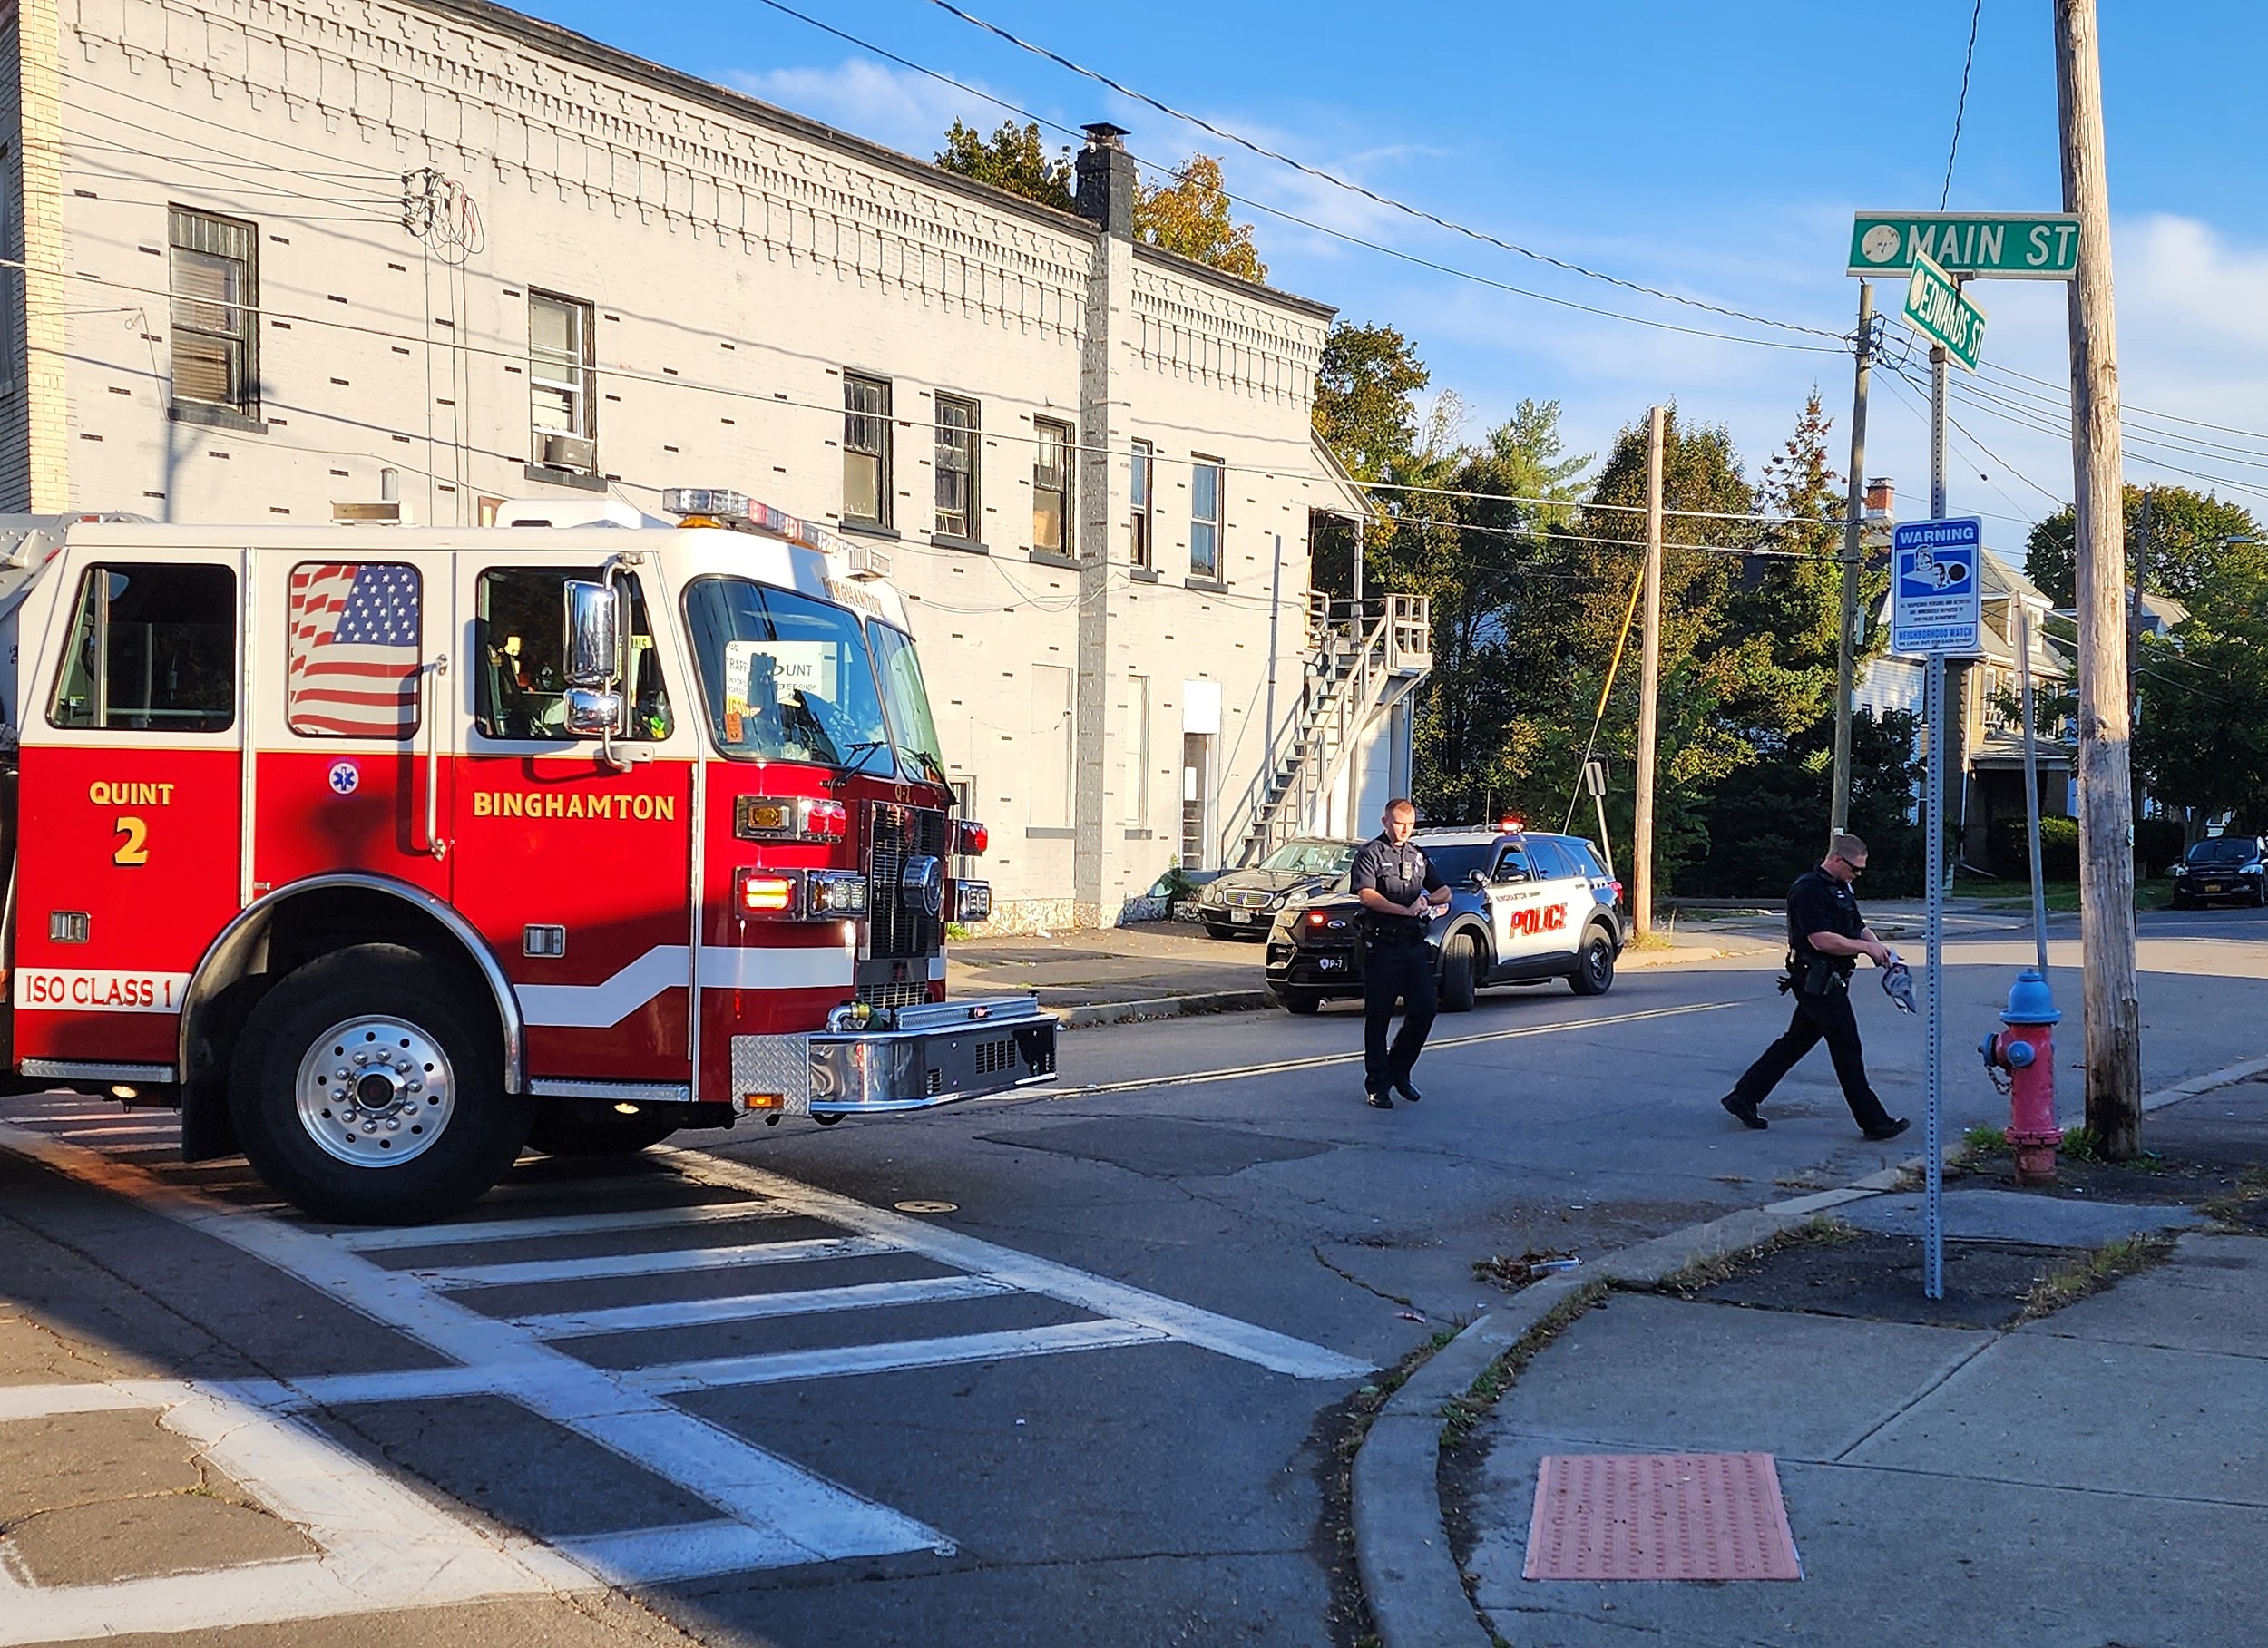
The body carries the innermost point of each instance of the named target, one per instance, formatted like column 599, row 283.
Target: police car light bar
column 721, row 506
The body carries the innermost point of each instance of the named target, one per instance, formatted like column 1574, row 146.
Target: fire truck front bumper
column 929, row 1053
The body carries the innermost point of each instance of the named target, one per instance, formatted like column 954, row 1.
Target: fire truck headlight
column 835, row 892
column 971, row 900
column 762, row 892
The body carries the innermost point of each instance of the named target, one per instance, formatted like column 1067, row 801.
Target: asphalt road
column 1042, row 1370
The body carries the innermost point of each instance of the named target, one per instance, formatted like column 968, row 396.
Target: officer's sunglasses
column 1857, row 869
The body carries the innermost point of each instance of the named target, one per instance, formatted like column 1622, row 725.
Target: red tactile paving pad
column 1660, row 1516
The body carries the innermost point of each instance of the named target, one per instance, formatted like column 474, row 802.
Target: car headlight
column 1281, row 898
column 1209, row 894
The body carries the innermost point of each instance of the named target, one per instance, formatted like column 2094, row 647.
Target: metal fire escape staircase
column 1364, row 660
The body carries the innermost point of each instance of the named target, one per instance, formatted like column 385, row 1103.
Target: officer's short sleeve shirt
column 1397, row 873
column 1820, row 904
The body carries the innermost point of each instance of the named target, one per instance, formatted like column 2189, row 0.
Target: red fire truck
column 384, row 852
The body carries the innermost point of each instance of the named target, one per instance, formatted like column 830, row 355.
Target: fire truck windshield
column 787, row 677
column 910, row 721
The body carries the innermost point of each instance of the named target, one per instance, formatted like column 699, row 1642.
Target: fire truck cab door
column 352, row 732
column 577, row 869
column 130, row 801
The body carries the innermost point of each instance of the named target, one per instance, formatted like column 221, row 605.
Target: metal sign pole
column 1933, row 1121
column 2031, row 781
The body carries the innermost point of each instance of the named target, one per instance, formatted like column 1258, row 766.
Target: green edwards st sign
column 2001, row 246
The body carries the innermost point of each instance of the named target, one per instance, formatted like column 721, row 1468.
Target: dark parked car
column 1242, row 903
column 1522, row 910
column 2221, row 867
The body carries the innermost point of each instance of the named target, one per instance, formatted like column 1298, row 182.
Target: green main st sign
column 2002, row 246
column 1941, row 312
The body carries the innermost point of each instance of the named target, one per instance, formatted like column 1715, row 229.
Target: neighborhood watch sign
column 1936, row 567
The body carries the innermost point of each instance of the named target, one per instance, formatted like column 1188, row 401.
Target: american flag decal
column 355, row 653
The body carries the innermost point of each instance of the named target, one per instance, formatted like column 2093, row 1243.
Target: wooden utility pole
column 1650, row 685
column 1847, row 645
column 2114, row 1016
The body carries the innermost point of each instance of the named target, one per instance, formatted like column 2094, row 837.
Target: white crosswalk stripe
column 439, row 1285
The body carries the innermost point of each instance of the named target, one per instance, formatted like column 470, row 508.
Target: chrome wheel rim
column 374, row 1091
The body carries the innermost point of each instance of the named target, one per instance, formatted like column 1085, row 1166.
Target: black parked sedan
column 1242, row 903
column 1522, row 910
column 2221, row 867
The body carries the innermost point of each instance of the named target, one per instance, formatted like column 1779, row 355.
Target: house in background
column 407, row 261
column 1985, row 742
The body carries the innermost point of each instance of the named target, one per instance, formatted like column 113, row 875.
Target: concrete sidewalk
column 1951, row 1474
column 1156, row 970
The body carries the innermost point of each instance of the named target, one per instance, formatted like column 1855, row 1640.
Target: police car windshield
column 787, row 677
column 1457, row 863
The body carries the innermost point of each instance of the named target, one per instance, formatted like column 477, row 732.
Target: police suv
column 1524, row 908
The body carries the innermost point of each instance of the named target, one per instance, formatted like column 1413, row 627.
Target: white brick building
column 296, row 258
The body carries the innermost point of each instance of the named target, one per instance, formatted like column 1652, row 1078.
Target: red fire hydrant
column 2026, row 1051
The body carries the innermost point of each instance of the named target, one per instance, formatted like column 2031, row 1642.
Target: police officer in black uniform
column 1401, row 892
column 1826, row 936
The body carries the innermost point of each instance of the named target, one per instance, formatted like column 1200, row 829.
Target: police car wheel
column 418, row 1126
column 589, row 1126
column 1594, row 973
column 1461, row 969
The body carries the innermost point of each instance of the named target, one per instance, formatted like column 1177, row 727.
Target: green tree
column 1013, row 159
column 2202, row 741
column 2190, row 558
column 1365, row 386
column 1189, row 214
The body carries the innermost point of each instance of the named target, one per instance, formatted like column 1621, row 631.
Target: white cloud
column 897, row 107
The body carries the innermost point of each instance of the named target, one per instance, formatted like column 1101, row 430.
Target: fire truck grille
column 894, row 834
column 903, row 992
column 993, row 1056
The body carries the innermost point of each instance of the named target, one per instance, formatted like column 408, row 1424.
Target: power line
column 1353, row 188
column 1324, row 230
column 1961, row 107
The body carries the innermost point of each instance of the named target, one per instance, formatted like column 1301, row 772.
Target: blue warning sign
column 1936, row 568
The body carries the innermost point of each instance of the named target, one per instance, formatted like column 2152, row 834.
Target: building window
column 153, row 651
column 1137, row 751
column 1144, row 478
column 1054, row 749
column 866, row 450
column 1205, row 495
column 562, row 406
column 216, row 310
column 957, row 504
column 1052, row 486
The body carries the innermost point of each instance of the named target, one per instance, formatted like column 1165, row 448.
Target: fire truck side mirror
column 592, row 714
column 594, row 636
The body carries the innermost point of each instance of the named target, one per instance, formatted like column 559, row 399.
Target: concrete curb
column 1163, row 1007
column 1410, row 1579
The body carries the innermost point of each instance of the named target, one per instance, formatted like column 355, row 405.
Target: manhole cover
column 1678, row 1515
column 927, row 1207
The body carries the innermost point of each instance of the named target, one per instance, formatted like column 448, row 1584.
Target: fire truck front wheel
column 365, row 1093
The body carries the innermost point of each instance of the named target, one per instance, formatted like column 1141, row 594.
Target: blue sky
column 1714, row 150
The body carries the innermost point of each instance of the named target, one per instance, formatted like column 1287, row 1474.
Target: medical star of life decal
column 345, row 777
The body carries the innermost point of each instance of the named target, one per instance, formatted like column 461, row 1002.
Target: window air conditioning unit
column 557, row 451
column 866, row 561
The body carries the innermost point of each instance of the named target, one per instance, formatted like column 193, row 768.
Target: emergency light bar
column 721, row 506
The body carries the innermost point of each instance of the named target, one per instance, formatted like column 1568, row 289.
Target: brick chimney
column 1882, row 497
column 1106, row 180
